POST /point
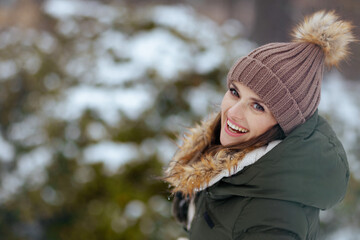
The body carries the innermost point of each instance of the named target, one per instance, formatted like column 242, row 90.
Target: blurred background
column 94, row 93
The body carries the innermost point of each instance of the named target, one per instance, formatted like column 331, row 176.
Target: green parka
column 280, row 195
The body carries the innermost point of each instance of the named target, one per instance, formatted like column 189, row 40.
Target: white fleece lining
column 190, row 213
column 250, row 158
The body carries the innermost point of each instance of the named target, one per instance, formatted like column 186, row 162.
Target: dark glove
column 180, row 207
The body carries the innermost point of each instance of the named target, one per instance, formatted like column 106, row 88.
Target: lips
column 234, row 129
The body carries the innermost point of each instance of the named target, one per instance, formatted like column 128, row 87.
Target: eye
column 258, row 107
column 234, row 92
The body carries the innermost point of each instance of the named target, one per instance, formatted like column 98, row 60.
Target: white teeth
column 236, row 127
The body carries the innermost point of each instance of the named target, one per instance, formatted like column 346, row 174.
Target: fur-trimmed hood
column 190, row 171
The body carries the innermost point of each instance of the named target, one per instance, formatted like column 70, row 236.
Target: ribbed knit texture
column 286, row 76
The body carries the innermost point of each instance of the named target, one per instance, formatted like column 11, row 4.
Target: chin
column 223, row 141
column 227, row 141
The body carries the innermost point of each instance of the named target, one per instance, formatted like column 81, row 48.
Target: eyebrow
column 252, row 98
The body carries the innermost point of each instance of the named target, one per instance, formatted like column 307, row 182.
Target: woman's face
column 243, row 115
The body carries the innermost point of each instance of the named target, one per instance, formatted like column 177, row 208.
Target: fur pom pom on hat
column 332, row 35
column 287, row 76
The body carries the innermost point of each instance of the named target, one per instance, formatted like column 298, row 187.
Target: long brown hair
column 274, row 133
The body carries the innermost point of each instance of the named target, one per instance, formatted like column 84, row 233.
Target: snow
column 68, row 27
column 52, row 81
column 32, row 62
column 232, row 27
column 64, row 9
column 112, row 154
column 46, row 42
column 134, row 209
column 210, row 59
column 34, row 162
column 165, row 149
column 29, row 132
column 336, row 98
column 96, row 131
column 162, row 51
column 158, row 50
column 185, row 20
column 78, row 66
column 30, row 170
column 110, row 73
column 204, row 98
column 106, row 102
column 7, row 151
column 114, row 40
column 11, row 37
column 7, row 69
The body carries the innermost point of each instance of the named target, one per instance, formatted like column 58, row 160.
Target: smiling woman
column 267, row 163
column 243, row 116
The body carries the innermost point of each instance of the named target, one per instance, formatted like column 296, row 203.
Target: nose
column 237, row 111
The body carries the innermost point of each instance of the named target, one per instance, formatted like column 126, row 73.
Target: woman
column 266, row 165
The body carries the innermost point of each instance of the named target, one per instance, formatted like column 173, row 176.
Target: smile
column 234, row 130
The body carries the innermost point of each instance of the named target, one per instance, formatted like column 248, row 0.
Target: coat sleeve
column 270, row 219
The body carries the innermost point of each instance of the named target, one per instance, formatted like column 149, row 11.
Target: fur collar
column 190, row 171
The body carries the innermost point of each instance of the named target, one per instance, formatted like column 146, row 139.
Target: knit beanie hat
column 287, row 76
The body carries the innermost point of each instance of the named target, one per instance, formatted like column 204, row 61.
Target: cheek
column 222, row 119
column 271, row 120
column 224, row 104
column 222, row 107
column 266, row 124
column 259, row 124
